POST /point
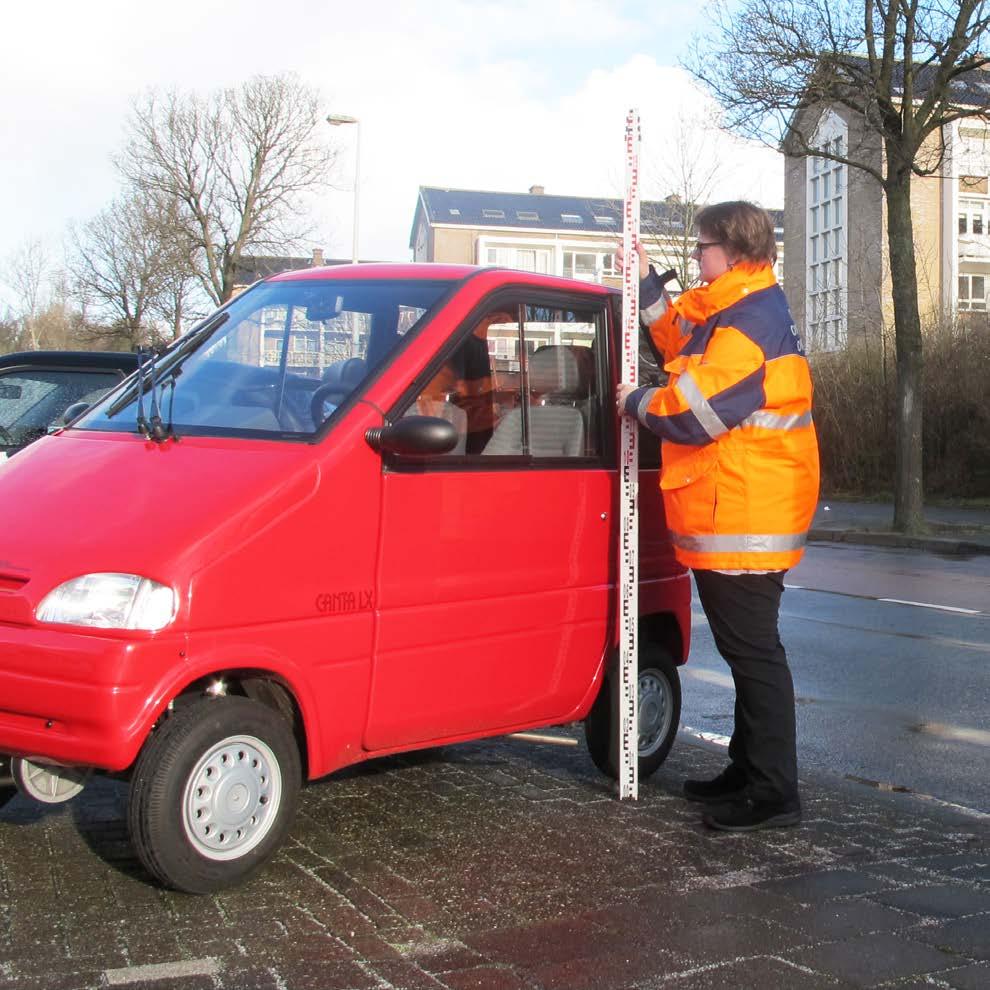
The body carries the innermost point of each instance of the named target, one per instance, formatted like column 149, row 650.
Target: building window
column 825, row 313
column 973, row 216
column 493, row 214
column 522, row 259
column 589, row 266
column 973, row 292
column 570, row 217
column 527, row 215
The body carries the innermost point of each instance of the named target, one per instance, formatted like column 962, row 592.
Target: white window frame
column 509, row 246
column 826, row 259
column 969, row 305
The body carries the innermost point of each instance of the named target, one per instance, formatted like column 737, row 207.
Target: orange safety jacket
column 740, row 454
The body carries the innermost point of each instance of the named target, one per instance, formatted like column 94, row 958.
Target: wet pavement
column 951, row 530
column 505, row 865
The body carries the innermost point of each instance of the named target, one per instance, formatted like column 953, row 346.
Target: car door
column 494, row 562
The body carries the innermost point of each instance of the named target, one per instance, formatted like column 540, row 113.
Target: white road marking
column 941, row 608
column 710, row 676
column 889, row 601
column 161, row 971
column 712, row 737
column 979, row 736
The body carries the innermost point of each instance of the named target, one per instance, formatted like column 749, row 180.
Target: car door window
column 521, row 382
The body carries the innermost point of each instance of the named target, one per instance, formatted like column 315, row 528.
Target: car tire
column 659, row 692
column 213, row 793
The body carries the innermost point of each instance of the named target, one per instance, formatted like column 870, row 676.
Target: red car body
column 395, row 609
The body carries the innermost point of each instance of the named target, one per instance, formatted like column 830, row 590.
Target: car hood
column 79, row 502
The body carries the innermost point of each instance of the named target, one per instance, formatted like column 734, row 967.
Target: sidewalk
column 952, row 531
column 509, row 865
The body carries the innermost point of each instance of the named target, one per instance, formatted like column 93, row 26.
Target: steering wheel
column 329, row 393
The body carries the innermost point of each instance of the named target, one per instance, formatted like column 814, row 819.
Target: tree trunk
column 908, row 486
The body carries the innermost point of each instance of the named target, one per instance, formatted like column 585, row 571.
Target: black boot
column 748, row 816
column 729, row 785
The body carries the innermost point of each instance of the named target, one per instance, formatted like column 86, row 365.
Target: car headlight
column 110, row 601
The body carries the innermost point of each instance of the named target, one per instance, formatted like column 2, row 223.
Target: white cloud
column 497, row 95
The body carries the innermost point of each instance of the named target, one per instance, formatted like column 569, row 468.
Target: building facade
column 570, row 236
column 835, row 219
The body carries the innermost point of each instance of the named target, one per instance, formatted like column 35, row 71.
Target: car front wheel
column 213, row 793
column 659, row 709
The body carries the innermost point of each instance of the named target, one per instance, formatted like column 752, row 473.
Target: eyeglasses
column 700, row 246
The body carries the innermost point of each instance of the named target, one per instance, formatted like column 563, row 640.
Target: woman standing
column 740, row 485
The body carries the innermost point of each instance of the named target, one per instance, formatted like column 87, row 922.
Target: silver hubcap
column 654, row 712
column 232, row 798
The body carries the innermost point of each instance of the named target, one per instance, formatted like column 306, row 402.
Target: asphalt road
column 890, row 651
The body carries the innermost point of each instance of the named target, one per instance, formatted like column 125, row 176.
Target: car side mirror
column 414, row 436
column 73, row 412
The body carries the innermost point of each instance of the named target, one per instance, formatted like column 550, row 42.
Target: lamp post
column 339, row 120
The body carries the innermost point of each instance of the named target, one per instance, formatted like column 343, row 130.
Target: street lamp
column 338, row 120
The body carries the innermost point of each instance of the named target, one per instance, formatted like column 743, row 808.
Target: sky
column 455, row 93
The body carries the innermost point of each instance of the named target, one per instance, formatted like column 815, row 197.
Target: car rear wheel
column 213, row 793
column 659, row 708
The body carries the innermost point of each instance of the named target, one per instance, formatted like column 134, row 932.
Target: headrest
column 561, row 368
column 346, row 374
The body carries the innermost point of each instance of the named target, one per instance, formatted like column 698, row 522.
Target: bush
column 855, row 395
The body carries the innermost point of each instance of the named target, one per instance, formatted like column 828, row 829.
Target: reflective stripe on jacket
column 740, row 454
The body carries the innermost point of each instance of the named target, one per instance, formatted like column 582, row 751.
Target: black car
column 36, row 387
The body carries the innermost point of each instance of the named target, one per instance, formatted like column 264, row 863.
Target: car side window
column 522, row 383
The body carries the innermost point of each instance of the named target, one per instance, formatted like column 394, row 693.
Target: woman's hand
column 622, row 391
column 644, row 261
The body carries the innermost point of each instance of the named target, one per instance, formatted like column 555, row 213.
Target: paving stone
column 821, row 885
column 488, row 978
column 755, row 973
column 941, row 900
column 976, row 977
column 871, row 959
column 839, row 919
column 536, row 944
column 966, row 936
column 502, row 864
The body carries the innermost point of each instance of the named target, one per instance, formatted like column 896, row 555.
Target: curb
column 931, row 544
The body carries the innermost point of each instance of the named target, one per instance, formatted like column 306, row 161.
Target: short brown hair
column 745, row 228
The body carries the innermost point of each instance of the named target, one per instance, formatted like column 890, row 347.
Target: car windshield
column 278, row 361
column 32, row 400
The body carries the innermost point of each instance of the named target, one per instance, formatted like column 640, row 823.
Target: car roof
column 431, row 271
column 117, row 360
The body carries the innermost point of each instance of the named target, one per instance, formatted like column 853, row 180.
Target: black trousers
column 742, row 610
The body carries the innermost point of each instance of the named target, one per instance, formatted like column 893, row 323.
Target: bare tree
column 897, row 66
column 687, row 172
column 121, row 267
column 27, row 272
column 236, row 165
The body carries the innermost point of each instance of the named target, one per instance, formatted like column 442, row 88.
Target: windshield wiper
column 182, row 347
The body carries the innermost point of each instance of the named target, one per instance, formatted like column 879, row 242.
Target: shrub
column 855, row 395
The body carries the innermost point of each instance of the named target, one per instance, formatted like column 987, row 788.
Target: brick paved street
column 508, row 865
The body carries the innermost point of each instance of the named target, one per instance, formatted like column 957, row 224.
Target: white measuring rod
column 627, row 723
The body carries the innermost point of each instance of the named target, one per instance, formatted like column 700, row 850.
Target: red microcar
column 356, row 511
